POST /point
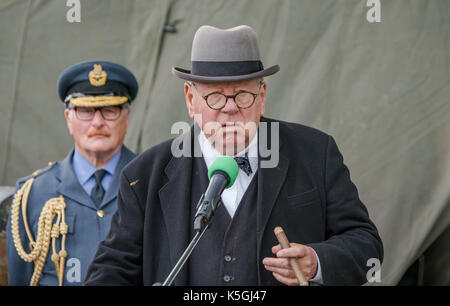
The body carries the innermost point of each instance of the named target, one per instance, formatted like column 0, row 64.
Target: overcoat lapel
column 270, row 182
column 175, row 197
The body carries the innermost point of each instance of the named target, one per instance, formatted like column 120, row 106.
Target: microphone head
column 225, row 164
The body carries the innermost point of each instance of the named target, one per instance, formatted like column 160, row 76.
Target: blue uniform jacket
column 87, row 227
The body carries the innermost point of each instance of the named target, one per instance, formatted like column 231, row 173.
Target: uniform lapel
column 68, row 184
column 113, row 189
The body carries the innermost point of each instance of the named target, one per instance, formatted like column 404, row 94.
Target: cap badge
column 97, row 77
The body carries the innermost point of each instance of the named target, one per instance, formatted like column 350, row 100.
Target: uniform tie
column 244, row 164
column 98, row 192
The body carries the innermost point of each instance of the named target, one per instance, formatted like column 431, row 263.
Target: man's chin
column 231, row 147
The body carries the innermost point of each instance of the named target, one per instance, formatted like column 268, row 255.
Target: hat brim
column 186, row 75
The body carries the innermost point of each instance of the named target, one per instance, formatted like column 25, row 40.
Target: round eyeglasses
column 88, row 113
column 218, row 100
column 243, row 99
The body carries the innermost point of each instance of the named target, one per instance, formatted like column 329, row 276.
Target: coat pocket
column 305, row 198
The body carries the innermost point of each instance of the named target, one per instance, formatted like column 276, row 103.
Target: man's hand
column 282, row 271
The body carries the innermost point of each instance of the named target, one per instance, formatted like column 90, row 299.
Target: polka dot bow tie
column 244, row 164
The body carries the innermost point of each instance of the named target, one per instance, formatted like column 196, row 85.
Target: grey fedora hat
column 225, row 56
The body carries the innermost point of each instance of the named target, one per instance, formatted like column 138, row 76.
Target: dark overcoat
column 309, row 193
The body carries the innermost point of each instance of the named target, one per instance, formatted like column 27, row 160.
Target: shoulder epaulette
column 43, row 170
column 37, row 173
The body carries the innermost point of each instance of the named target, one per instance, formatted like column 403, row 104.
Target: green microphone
column 227, row 166
column 222, row 174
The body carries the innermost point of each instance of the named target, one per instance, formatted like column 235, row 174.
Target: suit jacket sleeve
column 118, row 260
column 352, row 237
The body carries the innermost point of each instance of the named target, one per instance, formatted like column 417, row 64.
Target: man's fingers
column 286, row 280
column 282, row 267
column 276, row 249
column 282, row 263
column 296, row 250
column 281, row 271
column 303, row 255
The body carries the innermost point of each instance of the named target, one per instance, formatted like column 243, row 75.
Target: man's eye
column 85, row 110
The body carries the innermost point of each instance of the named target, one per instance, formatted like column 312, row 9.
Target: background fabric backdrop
column 381, row 89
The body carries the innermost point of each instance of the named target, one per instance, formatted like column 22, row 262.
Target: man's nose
column 98, row 119
column 230, row 106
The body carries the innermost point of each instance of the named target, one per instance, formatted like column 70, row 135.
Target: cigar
column 284, row 242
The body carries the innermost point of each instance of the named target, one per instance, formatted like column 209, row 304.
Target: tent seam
column 14, row 97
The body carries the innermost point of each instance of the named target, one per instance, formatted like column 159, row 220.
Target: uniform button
column 227, row 258
column 100, row 213
column 227, row 278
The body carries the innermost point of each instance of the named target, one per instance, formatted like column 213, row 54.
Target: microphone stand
column 184, row 257
column 205, row 212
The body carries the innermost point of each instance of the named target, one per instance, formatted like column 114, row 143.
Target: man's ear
column 189, row 99
column 263, row 98
column 68, row 120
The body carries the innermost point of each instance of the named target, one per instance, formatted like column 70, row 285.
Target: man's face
column 231, row 128
column 98, row 135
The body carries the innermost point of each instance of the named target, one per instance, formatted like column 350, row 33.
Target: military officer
column 61, row 213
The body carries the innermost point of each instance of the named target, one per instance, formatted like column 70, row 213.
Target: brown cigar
column 284, row 242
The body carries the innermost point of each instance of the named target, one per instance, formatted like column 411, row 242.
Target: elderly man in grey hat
column 308, row 192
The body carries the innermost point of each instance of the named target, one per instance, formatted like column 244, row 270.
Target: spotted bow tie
column 244, row 164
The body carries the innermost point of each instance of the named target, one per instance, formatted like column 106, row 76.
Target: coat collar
column 69, row 186
column 270, row 179
column 175, row 195
column 175, row 198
